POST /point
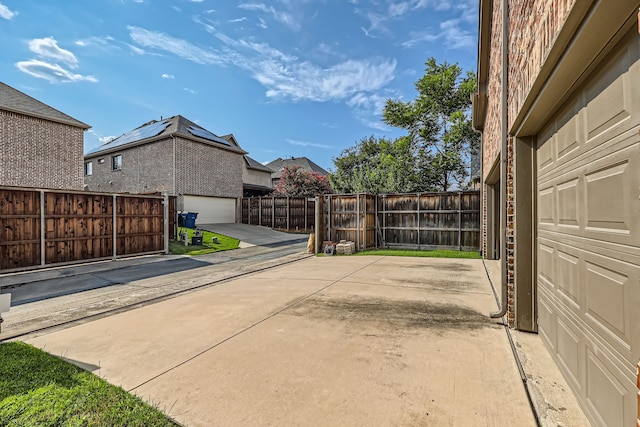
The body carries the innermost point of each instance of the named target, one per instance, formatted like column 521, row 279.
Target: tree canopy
column 375, row 166
column 297, row 182
column 433, row 156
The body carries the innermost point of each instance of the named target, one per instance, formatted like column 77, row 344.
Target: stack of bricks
column 345, row 248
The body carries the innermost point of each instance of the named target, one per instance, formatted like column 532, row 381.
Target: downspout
column 503, row 161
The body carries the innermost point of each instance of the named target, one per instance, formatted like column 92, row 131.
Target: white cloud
column 6, row 13
column 196, row 1
column 178, row 47
column 307, row 144
column 244, row 18
column 285, row 76
column 168, row 76
column 48, row 48
column 104, row 42
column 262, row 23
column 191, row 91
column 283, row 17
column 54, row 73
column 106, row 139
column 453, row 33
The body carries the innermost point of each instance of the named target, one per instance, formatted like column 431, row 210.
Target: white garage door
column 211, row 210
column 588, row 241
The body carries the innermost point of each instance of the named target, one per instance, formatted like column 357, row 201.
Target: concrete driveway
column 255, row 235
column 347, row 341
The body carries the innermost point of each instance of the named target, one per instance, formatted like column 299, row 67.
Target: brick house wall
column 205, row 171
column 199, row 170
column 40, row 153
column 146, row 168
column 533, row 28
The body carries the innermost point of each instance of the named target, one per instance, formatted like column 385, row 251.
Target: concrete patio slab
column 324, row 341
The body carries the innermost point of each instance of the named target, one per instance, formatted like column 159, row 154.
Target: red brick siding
column 491, row 136
column 145, row 169
column 205, row 171
column 533, row 28
column 39, row 153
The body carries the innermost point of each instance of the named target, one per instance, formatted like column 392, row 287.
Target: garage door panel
column 605, row 393
column 588, row 237
column 609, row 100
column 569, row 351
column 569, row 278
column 546, row 324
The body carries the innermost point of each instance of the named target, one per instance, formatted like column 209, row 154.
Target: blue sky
column 287, row 77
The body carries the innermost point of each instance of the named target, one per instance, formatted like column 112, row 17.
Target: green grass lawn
column 439, row 253
column 37, row 389
column 225, row 243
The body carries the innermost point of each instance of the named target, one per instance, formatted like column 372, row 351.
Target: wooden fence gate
column 41, row 228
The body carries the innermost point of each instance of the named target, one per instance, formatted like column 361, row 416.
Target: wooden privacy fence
column 48, row 227
column 281, row 213
column 446, row 220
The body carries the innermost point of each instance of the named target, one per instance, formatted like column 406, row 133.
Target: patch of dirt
column 393, row 313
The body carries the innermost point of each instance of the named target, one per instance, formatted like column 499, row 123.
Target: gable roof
column 254, row 164
column 15, row 101
column 301, row 162
column 155, row 130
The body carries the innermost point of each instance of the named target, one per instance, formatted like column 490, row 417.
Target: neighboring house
column 174, row 155
column 558, row 104
column 256, row 178
column 39, row 146
column 278, row 164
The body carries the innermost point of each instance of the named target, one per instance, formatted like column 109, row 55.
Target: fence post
column 358, row 221
column 317, row 225
column 259, row 210
column 418, row 221
column 329, row 218
column 384, row 219
column 273, row 212
column 114, row 231
column 288, row 214
column 306, row 203
column 43, row 252
column 459, row 220
column 165, row 214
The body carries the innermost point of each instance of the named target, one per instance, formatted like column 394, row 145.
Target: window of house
column 88, row 168
column 116, row 162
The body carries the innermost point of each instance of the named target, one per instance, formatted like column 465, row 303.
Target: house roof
column 155, row 130
column 254, row 164
column 15, row 101
column 301, row 162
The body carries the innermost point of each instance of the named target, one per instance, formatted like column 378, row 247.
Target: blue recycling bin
column 190, row 219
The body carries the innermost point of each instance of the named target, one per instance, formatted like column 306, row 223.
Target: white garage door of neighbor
column 211, row 210
column 588, row 241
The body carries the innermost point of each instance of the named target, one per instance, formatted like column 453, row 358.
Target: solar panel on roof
column 139, row 134
column 207, row 135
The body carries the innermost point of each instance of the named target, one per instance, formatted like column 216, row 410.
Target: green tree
column 375, row 166
column 439, row 125
column 297, row 182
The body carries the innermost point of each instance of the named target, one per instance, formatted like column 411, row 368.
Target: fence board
column 77, row 226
